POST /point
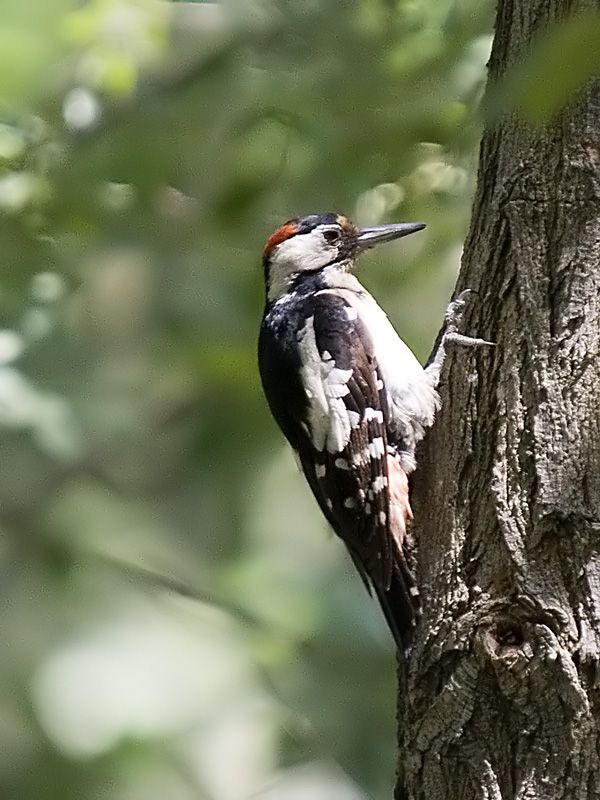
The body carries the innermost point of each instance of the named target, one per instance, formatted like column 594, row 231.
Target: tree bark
column 501, row 698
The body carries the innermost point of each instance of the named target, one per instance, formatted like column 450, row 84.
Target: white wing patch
column 325, row 385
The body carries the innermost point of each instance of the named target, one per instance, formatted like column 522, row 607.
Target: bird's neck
column 334, row 276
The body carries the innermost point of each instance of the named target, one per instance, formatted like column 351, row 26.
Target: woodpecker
column 348, row 394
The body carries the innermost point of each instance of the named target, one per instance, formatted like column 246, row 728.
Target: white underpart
column 304, row 252
column 411, row 396
column 325, row 385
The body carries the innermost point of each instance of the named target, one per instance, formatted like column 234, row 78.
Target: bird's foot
column 454, row 315
column 451, row 336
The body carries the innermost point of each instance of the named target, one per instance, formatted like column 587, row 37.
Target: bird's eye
column 331, row 235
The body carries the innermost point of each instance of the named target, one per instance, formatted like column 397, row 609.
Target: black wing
column 344, row 450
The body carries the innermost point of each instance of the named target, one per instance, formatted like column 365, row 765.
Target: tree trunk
column 502, row 696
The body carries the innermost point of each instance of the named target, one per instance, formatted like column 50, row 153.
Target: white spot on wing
column 349, row 502
column 373, row 413
column 341, row 463
column 376, row 449
column 360, row 458
column 382, row 517
column 351, row 313
column 379, row 483
column 320, row 470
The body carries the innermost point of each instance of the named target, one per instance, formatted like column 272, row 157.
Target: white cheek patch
column 303, row 252
column 325, row 385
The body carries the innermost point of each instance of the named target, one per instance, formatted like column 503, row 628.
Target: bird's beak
column 379, row 234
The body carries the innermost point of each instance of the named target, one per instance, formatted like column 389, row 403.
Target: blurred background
column 176, row 619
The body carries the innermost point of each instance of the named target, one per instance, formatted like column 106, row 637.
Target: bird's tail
column 400, row 601
column 400, row 604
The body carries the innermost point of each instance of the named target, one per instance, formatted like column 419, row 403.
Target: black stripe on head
column 311, row 221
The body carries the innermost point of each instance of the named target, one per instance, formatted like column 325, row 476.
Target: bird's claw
column 452, row 337
column 456, row 309
column 454, row 315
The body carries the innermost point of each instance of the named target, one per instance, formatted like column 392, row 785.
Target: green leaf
column 557, row 68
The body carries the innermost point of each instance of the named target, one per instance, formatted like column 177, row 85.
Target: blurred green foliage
column 550, row 74
column 176, row 619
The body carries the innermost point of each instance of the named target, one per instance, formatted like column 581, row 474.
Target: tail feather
column 399, row 628
column 400, row 603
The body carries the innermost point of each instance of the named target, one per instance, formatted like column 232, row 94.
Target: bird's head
column 307, row 245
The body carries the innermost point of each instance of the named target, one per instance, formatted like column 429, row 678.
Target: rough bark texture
column 503, row 687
